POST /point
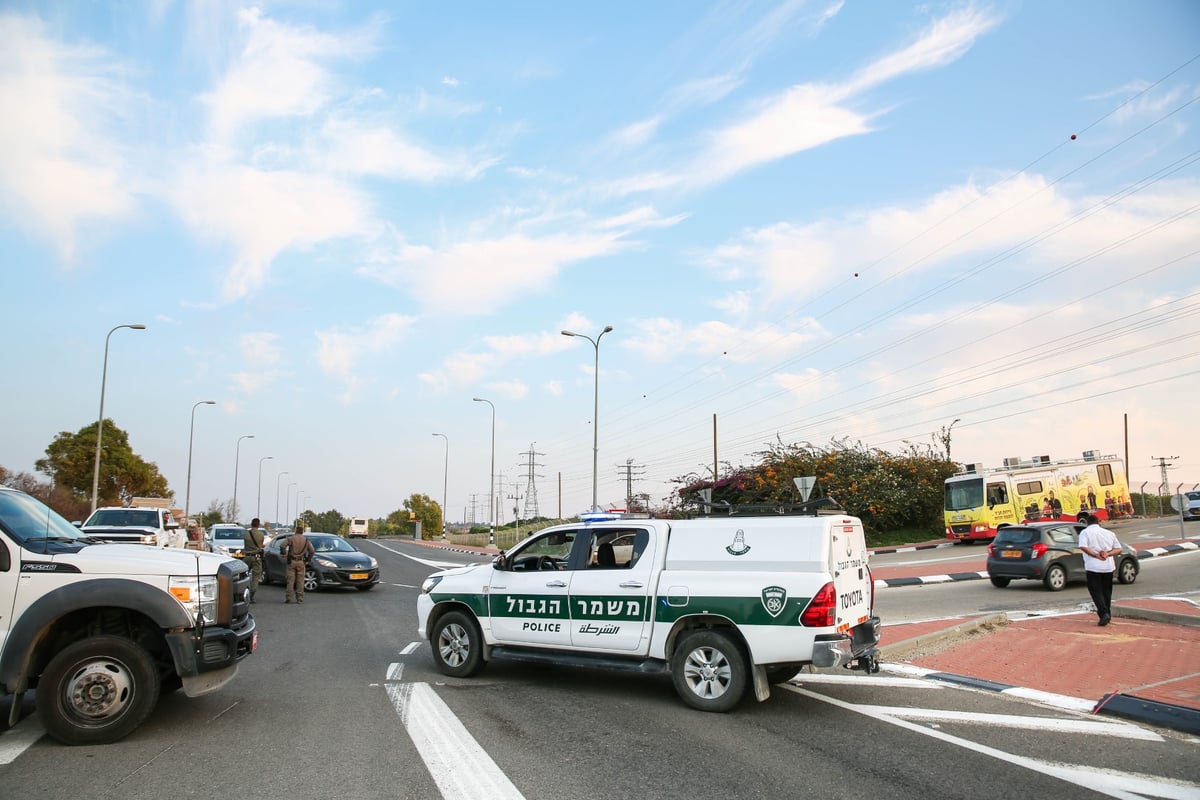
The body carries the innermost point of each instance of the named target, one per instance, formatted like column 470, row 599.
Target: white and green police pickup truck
column 98, row 631
column 722, row 603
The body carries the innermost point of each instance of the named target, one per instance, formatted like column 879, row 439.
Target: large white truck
column 101, row 630
column 722, row 604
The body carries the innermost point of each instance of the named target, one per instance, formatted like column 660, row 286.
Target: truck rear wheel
column 457, row 645
column 709, row 671
column 97, row 691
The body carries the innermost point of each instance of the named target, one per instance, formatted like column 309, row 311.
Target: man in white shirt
column 1099, row 546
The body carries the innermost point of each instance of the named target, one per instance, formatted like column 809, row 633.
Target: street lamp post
column 237, row 457
column 258, row 510
column 596, row 405
column 277, row 519
column 492, row 484
column 100, row 422
column 187, row 497
column 299, row 493
column 287, row 503
column 445, row 478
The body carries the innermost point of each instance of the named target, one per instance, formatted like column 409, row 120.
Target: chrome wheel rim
column 707, row 672
column 454, row 646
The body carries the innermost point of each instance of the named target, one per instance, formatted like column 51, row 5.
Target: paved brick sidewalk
column 1070, row 655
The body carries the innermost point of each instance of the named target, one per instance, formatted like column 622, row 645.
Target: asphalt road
column 341, row 700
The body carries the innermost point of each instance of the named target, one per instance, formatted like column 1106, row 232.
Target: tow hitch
column 868, row 662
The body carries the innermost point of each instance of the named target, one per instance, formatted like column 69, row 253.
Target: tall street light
column 299, row 494
column 445, row 478
column 100, row 422
column 258, row 511
column 596, row 406
column 492, row 485
column 237, row 457
column 278, row 521
column 187, row 498
column 287, row 503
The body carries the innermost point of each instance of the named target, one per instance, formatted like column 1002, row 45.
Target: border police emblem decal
column 739, row 546
column 774, row 598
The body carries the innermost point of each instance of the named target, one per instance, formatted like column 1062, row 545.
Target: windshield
column 28, row 520
column 332, row 544
column 123, row 518
column 229, row 533
column 964, row 494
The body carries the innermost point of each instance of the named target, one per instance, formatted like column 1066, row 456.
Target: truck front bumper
column 207, row 659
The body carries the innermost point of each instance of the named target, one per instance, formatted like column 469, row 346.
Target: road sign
column 805, row 485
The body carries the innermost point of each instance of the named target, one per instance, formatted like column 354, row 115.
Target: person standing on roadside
column 297, row 550
column 252, row 554
column 1099, row 546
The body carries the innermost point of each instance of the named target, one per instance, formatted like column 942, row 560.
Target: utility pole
column 629, row 471
column 1164, row 463
column 531, row 476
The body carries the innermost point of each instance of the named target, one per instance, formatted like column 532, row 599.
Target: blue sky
column 814, row 220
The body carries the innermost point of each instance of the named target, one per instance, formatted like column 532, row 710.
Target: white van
column 358, row 528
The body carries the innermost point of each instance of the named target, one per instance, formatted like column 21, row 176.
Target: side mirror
column 78, row 523
column 500, row 562
column 5, row 559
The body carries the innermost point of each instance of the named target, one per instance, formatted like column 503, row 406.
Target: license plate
column 359, row 576
column 1011, row 554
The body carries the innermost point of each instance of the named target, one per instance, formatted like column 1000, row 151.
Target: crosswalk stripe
column 445, row 746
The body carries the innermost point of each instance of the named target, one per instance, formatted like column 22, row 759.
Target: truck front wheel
column 97, row 691
column 709, row 671
column 457, row 645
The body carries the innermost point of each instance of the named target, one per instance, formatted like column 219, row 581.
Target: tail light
column 821, row 611
column 991, row 550
column 1040, row 549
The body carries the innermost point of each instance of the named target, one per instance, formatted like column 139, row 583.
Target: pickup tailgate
column 851, row 576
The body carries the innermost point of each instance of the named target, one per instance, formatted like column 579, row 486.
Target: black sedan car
column 1049, row 552
column 336, row 562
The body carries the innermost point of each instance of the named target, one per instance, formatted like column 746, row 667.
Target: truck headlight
column 198, row 595
column 430, row 583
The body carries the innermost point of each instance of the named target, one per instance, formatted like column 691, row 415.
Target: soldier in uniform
column 297, row 550
column 252, row 554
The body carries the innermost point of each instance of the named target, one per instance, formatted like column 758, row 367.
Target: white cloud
column 513, row 390
column 339, row 351
column 945, row 40
column 60, row 164
column 449, row 81
column 278, row 72
column 791, row 260
column 807, row 116
column 260, row 349
column 355, row 148
column 663, row 340
column 261, row 214
column 480, row 276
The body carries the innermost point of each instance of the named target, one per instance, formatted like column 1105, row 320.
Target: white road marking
column 20, row 738
column 1108, row 782
column 395, row 671
column 866, row 680
column 410, row 648
column 427, row 562
column 1123, row 730
column 445, row 746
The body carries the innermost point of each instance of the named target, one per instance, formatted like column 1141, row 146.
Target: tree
column 421, row 508
column 889, row 491
column 70, row 460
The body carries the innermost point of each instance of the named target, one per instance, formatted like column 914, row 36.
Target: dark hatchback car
column 1049, row 552
column 336, row 562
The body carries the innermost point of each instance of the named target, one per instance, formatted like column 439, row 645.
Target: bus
column 979, row 501
column 357, row 529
